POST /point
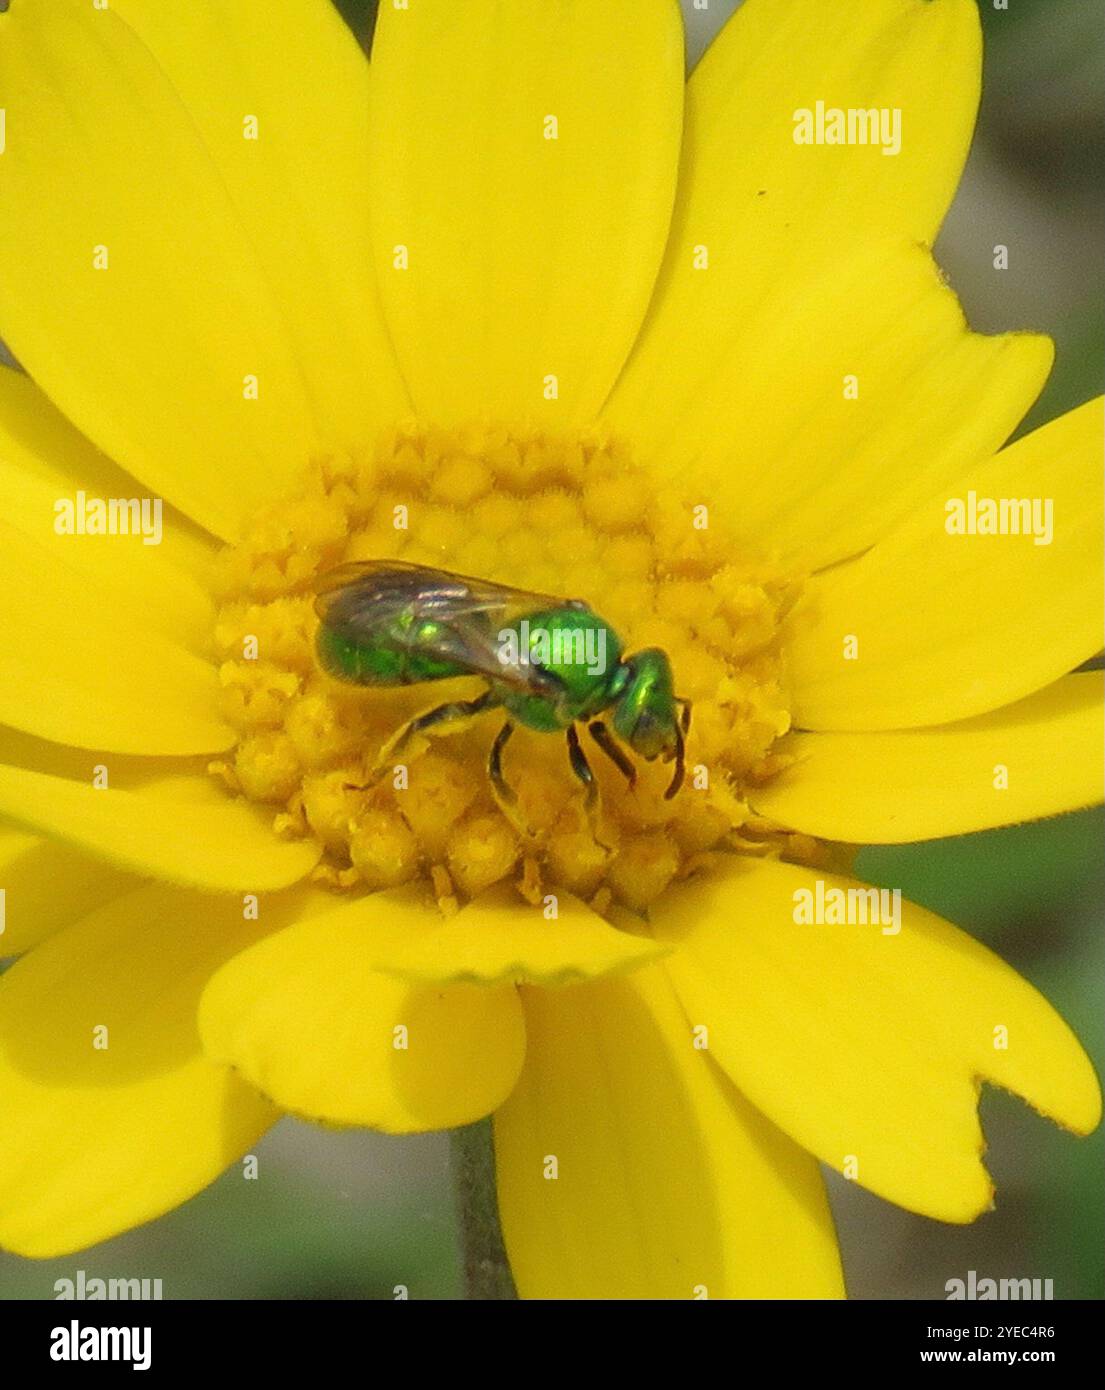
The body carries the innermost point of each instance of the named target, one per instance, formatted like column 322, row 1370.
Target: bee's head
column 649, row 716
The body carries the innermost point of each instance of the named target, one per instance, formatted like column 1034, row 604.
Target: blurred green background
column 352, row 1215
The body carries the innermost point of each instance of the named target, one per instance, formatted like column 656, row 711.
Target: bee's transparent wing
column 361, row 600
column 370, row 593
column 479, row 648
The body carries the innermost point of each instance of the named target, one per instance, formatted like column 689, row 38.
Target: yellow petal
column 45, row 464
column 1038, row 757
column 188, row 775
column 803, row 265
column 47, row 885
column 867, row 1047
column 523, row 167
column 667, row 1184
column 305, row 1017
column 75, row 670
column 109, row 1112
column 300, row 187
column 185, row 838
column 147, row 351
column 498, row 938
column 945, row 625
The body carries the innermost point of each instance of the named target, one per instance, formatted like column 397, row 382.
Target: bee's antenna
column 685, row 714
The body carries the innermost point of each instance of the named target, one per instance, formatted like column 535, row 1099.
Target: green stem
column 486, row 1271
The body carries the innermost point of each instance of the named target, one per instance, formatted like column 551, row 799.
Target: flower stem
column 486, row 1271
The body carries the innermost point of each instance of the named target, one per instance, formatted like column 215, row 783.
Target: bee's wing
column 376, row 590
column 476, row 645
column 361, row 599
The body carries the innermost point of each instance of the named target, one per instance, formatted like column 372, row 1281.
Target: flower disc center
column 563, row 514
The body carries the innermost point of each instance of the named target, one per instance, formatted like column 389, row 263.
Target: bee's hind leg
column 441, row 714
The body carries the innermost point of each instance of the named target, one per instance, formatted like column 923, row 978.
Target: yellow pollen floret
column 383, row 849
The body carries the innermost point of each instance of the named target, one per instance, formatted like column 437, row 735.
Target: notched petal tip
column 871, row 1058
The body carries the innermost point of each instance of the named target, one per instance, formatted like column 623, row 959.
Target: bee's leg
column 582, row 769
column 601, row 734
column 442, row 714
column 505, row 796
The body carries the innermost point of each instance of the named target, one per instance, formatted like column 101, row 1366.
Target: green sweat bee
column 550, row 663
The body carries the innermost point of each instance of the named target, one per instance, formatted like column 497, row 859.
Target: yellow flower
column 524, row 306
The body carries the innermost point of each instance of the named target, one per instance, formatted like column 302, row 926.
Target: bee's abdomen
column 379, row 663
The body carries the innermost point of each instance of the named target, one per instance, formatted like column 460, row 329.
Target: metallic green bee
column 550, row 663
